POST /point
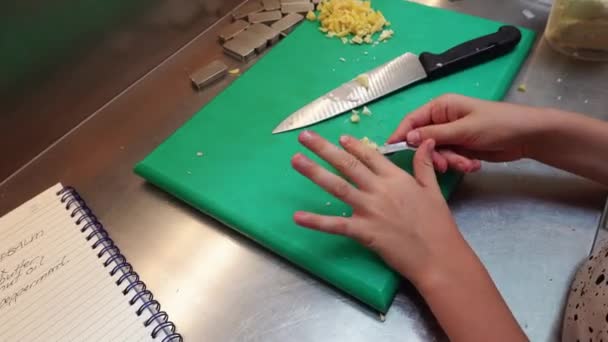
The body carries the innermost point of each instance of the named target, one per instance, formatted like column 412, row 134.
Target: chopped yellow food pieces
column 355, row 118
column 234, row 71
column 369, row 143
column 311, row 16
column 522, row 88
column 366, row 111
column 351, row 17
column 363, row 80
column 344, row 40
column 386, row 34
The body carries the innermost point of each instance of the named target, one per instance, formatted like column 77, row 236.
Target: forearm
column 466, row 302
column 573, row 142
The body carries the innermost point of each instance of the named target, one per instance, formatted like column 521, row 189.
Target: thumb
column 451, row 133
column 423, row 165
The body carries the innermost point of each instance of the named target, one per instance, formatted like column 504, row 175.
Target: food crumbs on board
column 363, row 80
column 356, row 40
column 189, row 172
column 385, row 35
column 355, row 118
column 311, row 16
column 368, row 40
column 365, row 52
column 234, row 71
column 522, row 88
column 323, row 29
column 342, row 59
column 366, row 111
column 343, row 214
column 344, row 40
column 328, row 204
column 199, row 154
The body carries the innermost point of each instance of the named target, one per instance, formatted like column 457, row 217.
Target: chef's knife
column 400, row 72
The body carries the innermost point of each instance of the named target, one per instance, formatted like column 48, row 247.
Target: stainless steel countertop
column 60, row 88
column 530, row 224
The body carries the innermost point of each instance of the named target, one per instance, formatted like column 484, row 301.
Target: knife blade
column 400, row 72
column 392, row 148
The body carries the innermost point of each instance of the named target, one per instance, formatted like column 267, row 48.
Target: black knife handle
column 473, row 52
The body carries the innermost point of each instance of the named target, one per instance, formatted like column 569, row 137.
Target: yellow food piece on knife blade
column 363, row 80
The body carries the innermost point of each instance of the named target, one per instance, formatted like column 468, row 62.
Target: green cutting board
column 244, row 179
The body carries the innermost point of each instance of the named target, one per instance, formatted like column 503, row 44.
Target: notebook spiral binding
column 95, row 230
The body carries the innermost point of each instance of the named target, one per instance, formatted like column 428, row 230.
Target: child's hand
column 407, row 222
column 404, row 219
column 469, row 130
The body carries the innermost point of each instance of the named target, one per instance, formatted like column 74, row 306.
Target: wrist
column 548, row 126
column 446, row 270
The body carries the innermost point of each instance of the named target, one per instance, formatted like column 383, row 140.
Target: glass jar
column 579, row 28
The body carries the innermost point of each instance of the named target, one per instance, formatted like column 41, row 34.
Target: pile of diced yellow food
column 355, row 18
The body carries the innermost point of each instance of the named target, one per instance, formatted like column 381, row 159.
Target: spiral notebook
column 62, row 278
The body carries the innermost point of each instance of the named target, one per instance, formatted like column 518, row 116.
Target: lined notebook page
column 53, row 287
